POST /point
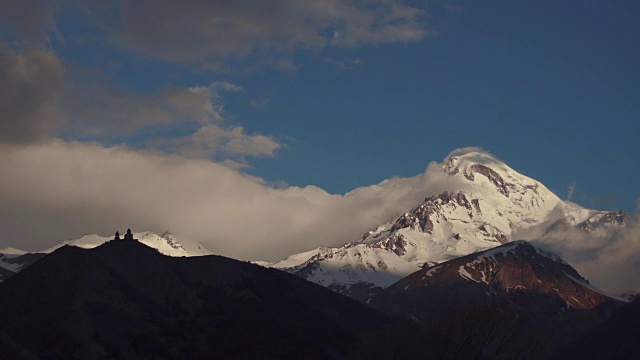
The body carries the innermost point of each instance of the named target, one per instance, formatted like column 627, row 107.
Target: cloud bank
column 608, row 257
column 59, row 190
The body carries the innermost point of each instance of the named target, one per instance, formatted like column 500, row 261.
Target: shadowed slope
column 616, row 338
column 125, row 300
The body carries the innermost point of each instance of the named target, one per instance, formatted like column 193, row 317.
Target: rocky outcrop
column 395, row 243
column 603, row 219
column 422, row 218
column 493, row 177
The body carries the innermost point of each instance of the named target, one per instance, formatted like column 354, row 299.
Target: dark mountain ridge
column 616, row 338
column 126, row 300
column 16, row 263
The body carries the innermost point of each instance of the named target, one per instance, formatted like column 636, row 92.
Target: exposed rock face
column 518, row 272
column 422, row 218
column 407, row 221
column 395, row 243
column 544, row 299
column 604, row 220
column 493, row 177
column 172, row 241
column 489, row 230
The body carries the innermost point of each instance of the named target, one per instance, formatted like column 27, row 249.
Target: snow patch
column 465, row 274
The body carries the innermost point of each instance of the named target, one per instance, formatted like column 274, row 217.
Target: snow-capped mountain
column 487, row 205
column 166, row 244
column 14, row 260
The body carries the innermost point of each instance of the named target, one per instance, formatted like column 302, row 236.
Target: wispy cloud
column 36, row 106
column 570, row 190
column 212, row 139
column 344, row 64
column 212, row 31
column 95, row 109
column 30, row 23
column 259, row 103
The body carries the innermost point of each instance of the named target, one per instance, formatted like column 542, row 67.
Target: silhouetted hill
column 13, row 264
column 616, row 338
column 124, row 300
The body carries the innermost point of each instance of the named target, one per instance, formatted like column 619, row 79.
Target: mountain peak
column 484, row 207
column 518, row 271
column 470, row 156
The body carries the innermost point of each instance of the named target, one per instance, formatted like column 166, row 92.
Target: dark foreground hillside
column 616, row 338
column 124, row 300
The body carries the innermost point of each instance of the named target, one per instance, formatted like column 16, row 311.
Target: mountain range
column 13, row 260
column 449, row 279
column 489, row 204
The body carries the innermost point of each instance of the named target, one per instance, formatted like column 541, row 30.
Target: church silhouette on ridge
column 128, row 236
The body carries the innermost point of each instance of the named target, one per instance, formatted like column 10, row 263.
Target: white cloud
column 468, row 149
column 52, row 192
column 100, row 111
column 570, row 190
column 610, row 260
column 96, row 109
column 211, row 140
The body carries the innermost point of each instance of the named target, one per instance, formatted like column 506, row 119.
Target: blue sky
column 337, row 94
column 555, row 92
column 552, row 88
